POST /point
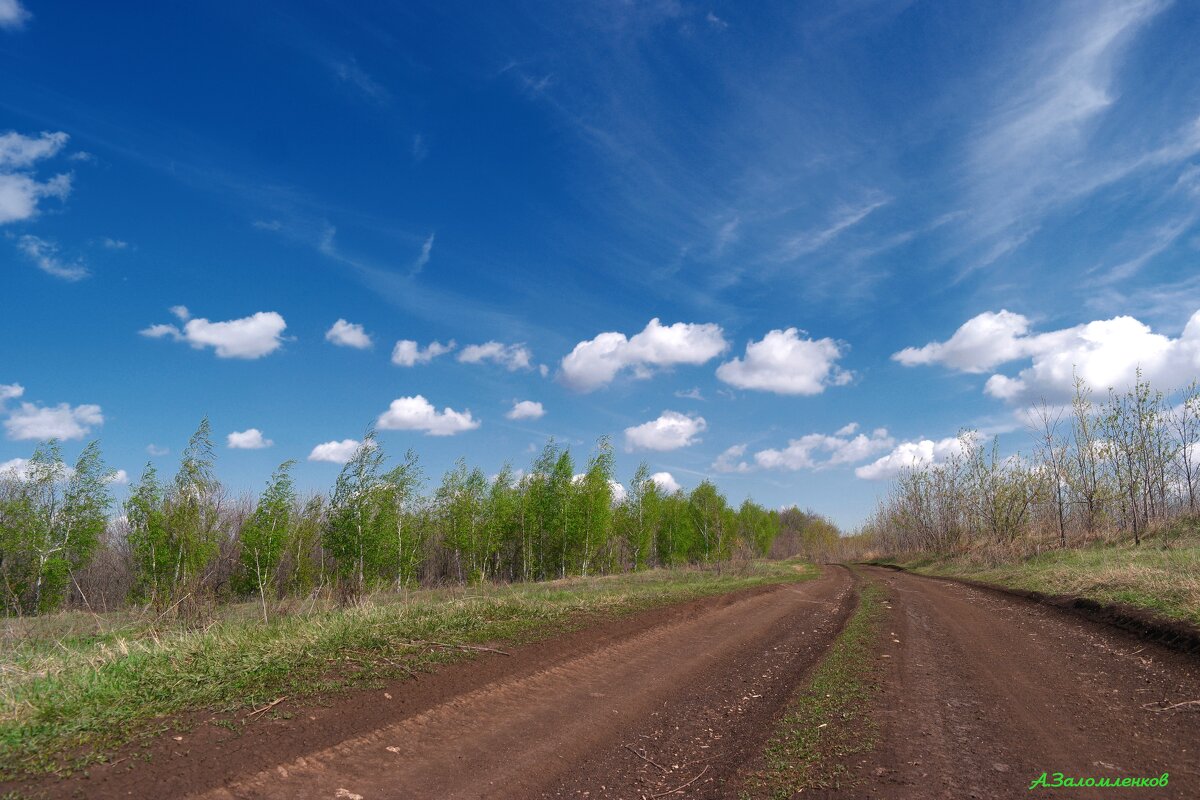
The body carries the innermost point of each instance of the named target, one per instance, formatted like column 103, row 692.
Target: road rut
column 982, row 693
column 638, row 716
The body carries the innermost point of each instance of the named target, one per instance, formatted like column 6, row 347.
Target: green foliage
column 180, row 539
column 266, row 535
column 51, row 521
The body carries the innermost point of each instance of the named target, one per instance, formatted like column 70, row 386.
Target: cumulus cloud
column 510, row 356
column 348, row 334
column 730, row 460
column 408, row 353
column 14, row 468
column 45, row 255
column 526, row 409
column 979, row 344
column 1104, row 353
column 20, row 189
column 666, row 482
column 13, row 15
column 925, row 452
column 249, row 439
column 784, row 363
column 249, row 337
column 335, row 452
column 21, row 152
column 63, row 421
column 817, row 451
column 118, row 478
column 10, row 391
column 596, row 362
column 418, row 414
column 670, row 431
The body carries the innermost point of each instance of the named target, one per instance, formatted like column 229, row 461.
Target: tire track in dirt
column 982, row 693
column 692, row 695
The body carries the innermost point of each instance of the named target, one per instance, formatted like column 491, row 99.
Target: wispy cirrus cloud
column 46, row 256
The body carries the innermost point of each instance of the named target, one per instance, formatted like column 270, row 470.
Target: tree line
column 64, row 541
column 1126, row 464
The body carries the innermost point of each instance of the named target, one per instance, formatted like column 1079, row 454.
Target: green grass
column 828, row 720
column 74, row 687
column 1160, row 575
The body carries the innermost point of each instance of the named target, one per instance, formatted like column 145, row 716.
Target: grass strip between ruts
column 828, row 720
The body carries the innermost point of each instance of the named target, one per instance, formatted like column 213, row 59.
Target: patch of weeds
column 828, row 720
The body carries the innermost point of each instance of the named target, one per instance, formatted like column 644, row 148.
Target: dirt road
column 983, row 693
column 979, row 694
column 631, row 708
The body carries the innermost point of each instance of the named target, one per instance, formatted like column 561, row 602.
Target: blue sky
column 790, row 247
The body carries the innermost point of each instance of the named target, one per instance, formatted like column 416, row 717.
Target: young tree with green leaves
column 53, row 519
column 265, row 535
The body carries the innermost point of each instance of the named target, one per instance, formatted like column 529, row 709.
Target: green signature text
column 1056, row 780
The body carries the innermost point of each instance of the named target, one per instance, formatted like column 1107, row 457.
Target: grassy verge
column 72, row 689
column 1161, row 575
column 827, row 721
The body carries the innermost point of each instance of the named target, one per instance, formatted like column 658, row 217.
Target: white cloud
column 408, row 353
column 10, row 391
column 155, row 450
column 910, row 454
column 1104, row 353
column 817, row 451
column 110, row 243
column 249, row 337
column 249, row 439
column 670, row 431
column 847, row 217
column 979, row 344
column 847, row 429
column 335, row 452
column 511, row 356
column 666, row 482
column 118, row 478
column 1034, row 152
column 423, row 259
column 418, row 414
column 690, row 394
column 44, row 254
column 13, row 16
column 22, row 152
column 63, row 421
column 20, row 191
column 786, row 364
column 14, row 468
column 526, row 409
column 595, row 362
column 348, row 334
column 730, row 460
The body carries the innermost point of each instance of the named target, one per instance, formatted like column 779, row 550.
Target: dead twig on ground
column 458, row 646
column 647, row 759
column 267, row 707
column 1175, row 705
column 681, row 787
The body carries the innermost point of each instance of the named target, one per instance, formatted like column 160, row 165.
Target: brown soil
column 983, row 692
column 626, row 708
column 980, row 693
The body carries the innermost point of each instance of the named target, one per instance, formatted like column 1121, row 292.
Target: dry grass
column 1161, row 575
